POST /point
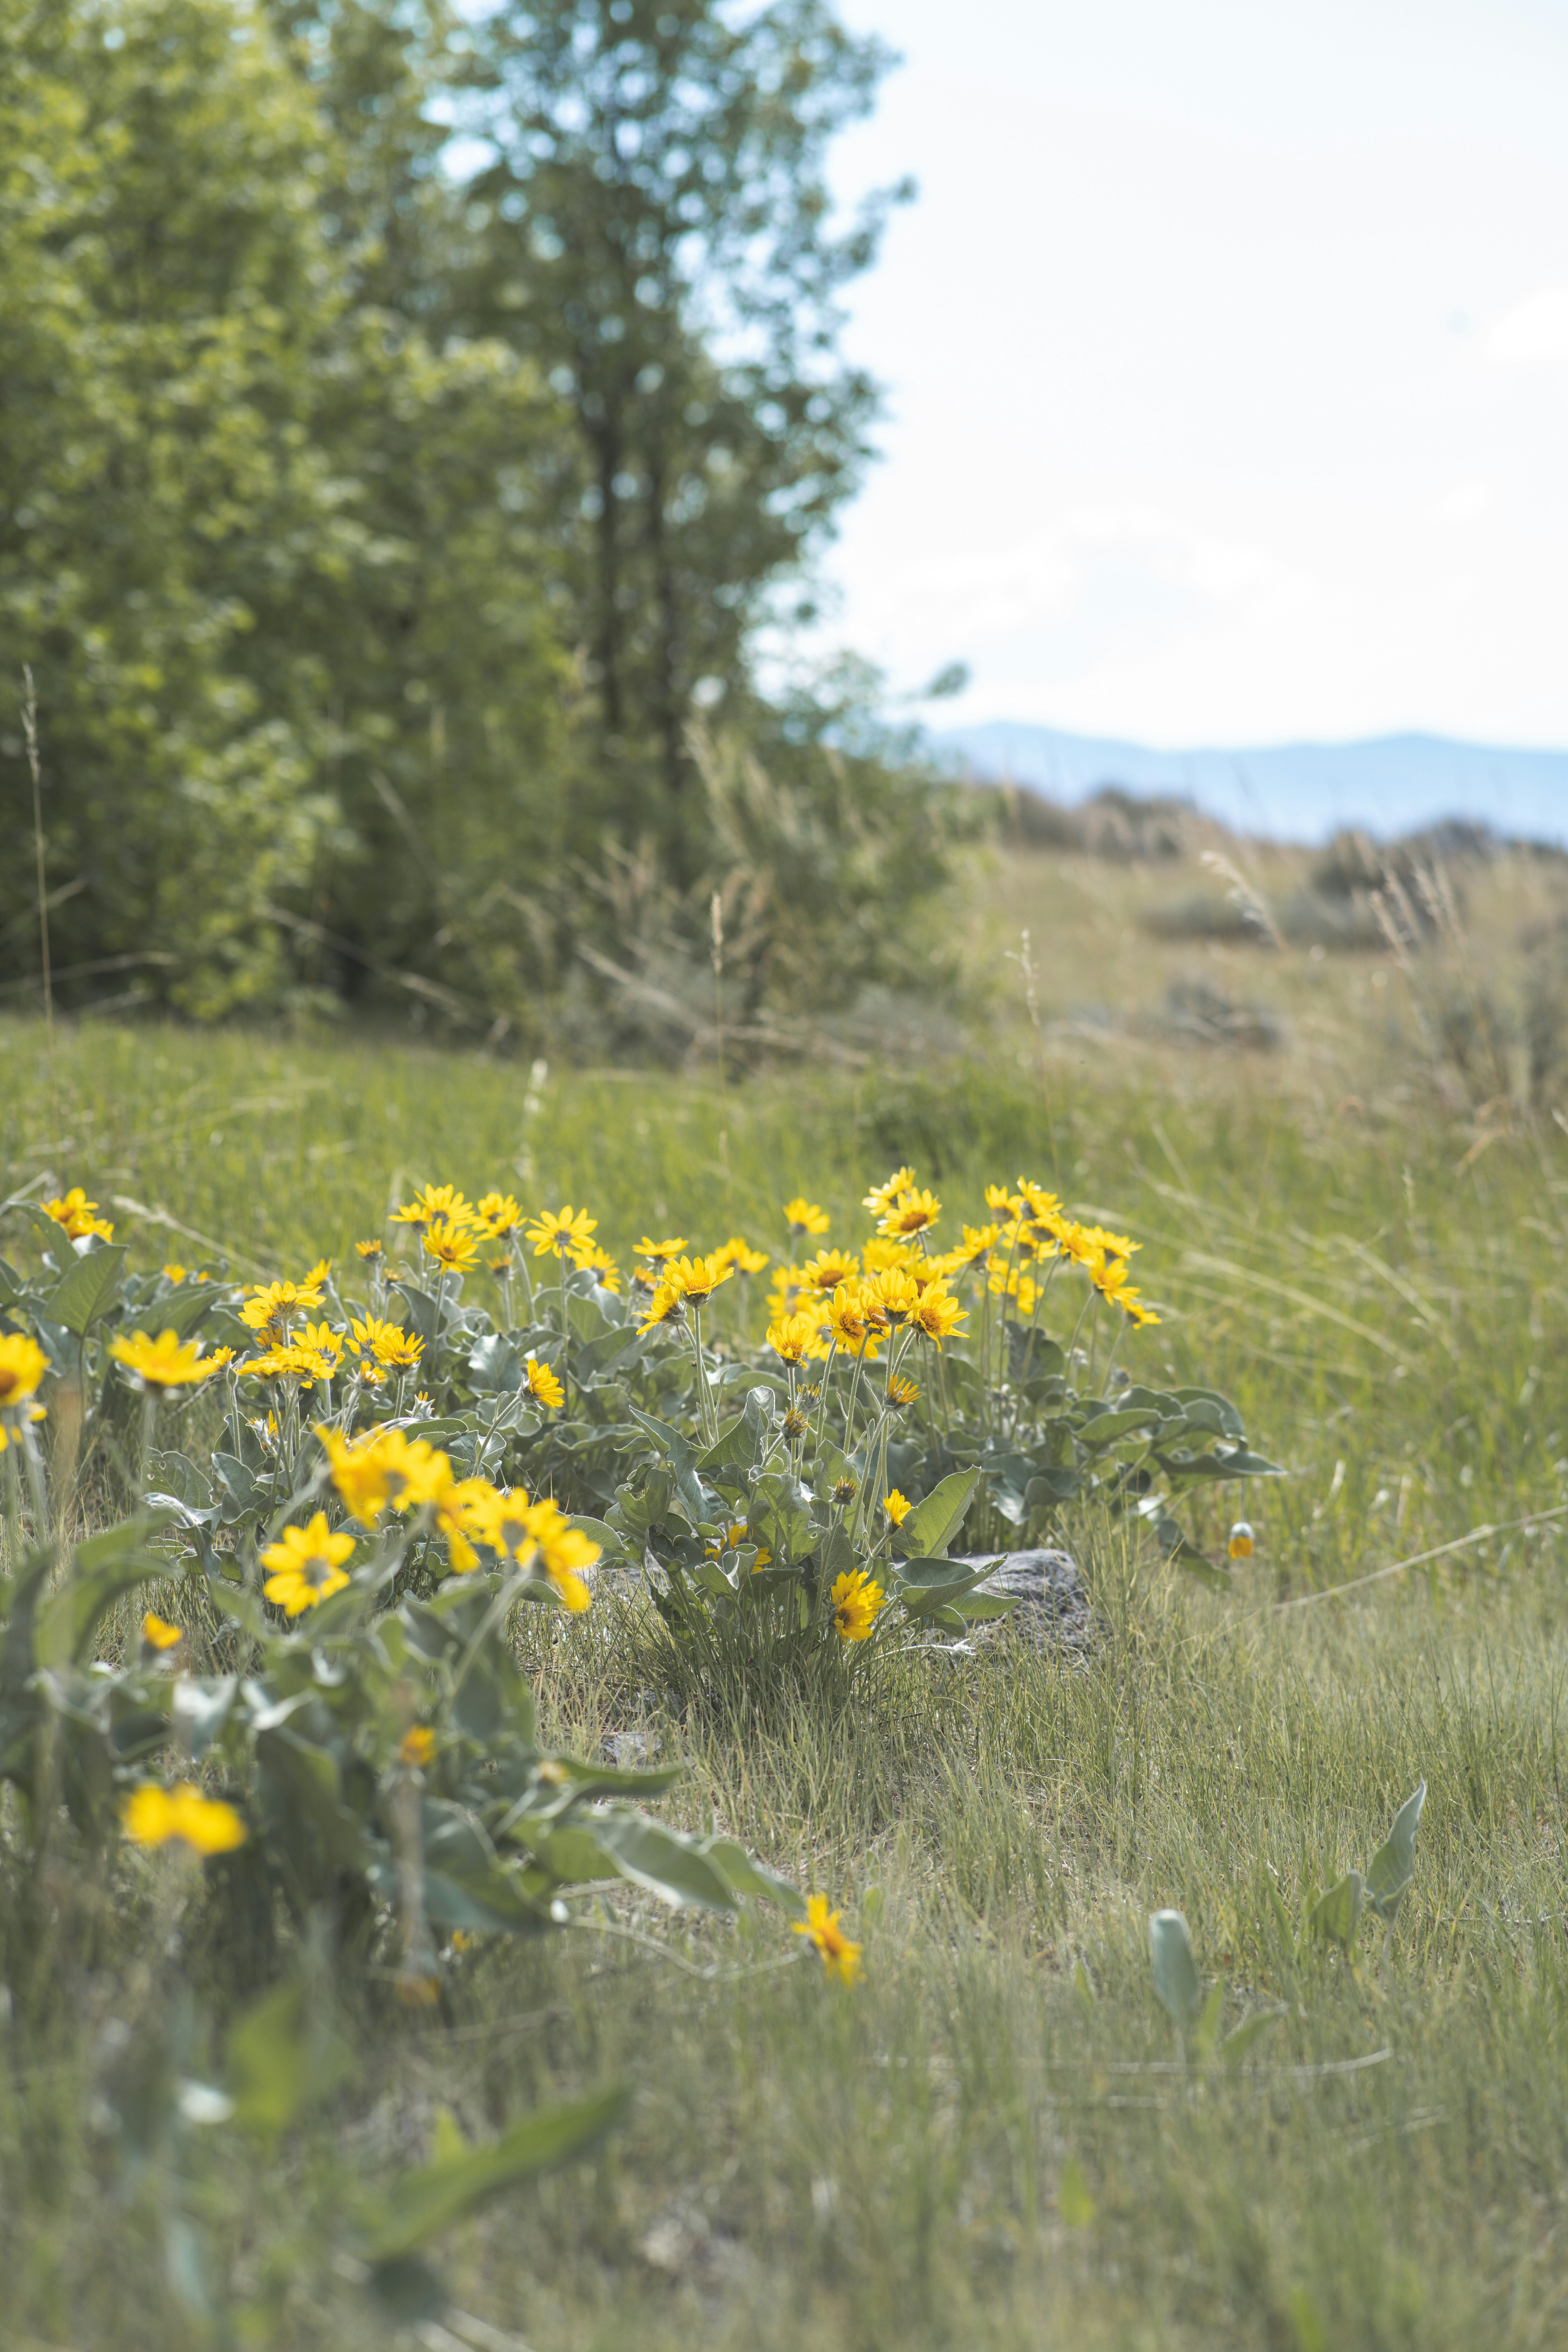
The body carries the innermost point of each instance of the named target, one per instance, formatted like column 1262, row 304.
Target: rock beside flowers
column 1053, row 1600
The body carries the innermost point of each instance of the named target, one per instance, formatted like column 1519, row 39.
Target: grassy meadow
column 994, row 2140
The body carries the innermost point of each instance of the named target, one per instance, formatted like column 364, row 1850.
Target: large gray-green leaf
column 670, row 1865
column 424, row 2202
column 932, row 1524
column 1176, row 1979
column 1336, row 1916
column 1393, row 1866
column 87, row 1288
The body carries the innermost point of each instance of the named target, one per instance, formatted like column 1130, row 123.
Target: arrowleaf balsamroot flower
column 385, row 1343
column 306, row 1565
column 911, row 1212
column 897, row 1293
column 791, row 1336
column 743, row 1256
column 154, row 1816
column 417, row 1745
column 603, row 1264
column 451, row 1245
column 166, row 1362
column 666, row 1304
column 897, row 1507
column 159, row 1634
column 901, row 1392
column 23, row 1364
column 79, row 1216
column 657, row 1252
column 828, row 1269
column 499, row 1216
column 881, row 1196
column 271, row 1307
column 442, row 1202
column 855, row 1601
column 698, row 1277
column 1241, row 1541
column 542, row 1383
column 820, row 1926
column 371, row 1249
column 563, row 1230
column 937, row 1313
column 804, row 1216
column 538, row 1535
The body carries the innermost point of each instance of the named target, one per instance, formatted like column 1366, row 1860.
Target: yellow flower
column 325, row 1344
column 897, row 1293
column 174, row 1274
column 286, row 1364
column 273, row 1305
column 735, row 1533
column 164, row 1362
column 539, row 1534
column 220, row 1357
column 307, row 1566
column 820, row 1926
column 369, row 1249
column 977, row 1243
column 901, row 1392
column 437, row 1201
column 79, row 1216
column 452, row 1246
column 698, row 1277
column 23, row 1364
column 1035, row 1198
column 1111, row 1244
column 743, row 1256
column 386, row 1343
column 882, row 1196
column 911, row 1212
column 666, row 1304
column 846, row 1316
column 1241, row 1541
column 880, row 1253
column 1133, row 1307
column 804, row 1216
column 791, row 1336
column 154, row 1816
column 828, row 1269
column 897, row 1507
column 1003, row 1204
column 159, row 1634
column 855, row 1601
column 659, row 1251
column 845, row 1490
column 937, row 1313
column 417, row 1744
column 368, row 1475
column 499, row 1216
column 603, row 1264
column 568, row 1229
column 543, row 1383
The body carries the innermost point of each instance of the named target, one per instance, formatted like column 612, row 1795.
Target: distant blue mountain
column 1289, row 791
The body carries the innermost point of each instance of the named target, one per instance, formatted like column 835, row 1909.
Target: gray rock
column 1053, row 1600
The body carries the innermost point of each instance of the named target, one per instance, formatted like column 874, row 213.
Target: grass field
column 991, row 2140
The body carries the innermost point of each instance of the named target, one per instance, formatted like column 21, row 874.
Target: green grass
column 885, row 2168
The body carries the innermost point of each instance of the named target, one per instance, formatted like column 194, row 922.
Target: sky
column 1226, row 357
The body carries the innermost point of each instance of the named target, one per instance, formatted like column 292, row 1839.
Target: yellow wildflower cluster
column 387, row 1470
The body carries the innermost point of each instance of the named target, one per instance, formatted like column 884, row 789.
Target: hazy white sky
column 1226, row 349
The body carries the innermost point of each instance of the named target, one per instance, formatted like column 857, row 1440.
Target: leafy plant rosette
column 789, row 1496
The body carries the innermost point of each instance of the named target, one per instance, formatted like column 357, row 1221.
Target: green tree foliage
column 655, row 227
column 371, row 537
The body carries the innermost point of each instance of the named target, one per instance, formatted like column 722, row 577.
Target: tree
column 657, row 232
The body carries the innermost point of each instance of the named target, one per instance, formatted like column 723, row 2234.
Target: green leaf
column 1336, row 1916
column 99, row 1573
column 1107, row 1427
column 1207, row 2033
column 426, row 2202
column 746, row 1875
column 925, row 1585
column 1176, row 1981
column 1393, row 1866
column 670, row 1865
column 87, row 1288
column 1250, row 2031
column 932, row 1524
column 284, row 2054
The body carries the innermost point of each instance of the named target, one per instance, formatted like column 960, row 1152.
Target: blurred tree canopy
column 374, row 533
